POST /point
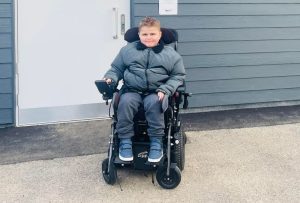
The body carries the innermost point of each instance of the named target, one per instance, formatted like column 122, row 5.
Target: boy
column 151, row 72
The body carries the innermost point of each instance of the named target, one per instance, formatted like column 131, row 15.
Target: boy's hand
column 107, row 80
column 160, row 95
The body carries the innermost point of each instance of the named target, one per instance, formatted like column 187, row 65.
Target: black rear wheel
column 109, row 172
column 179, row 150
column 184, row 137
column 170, row 181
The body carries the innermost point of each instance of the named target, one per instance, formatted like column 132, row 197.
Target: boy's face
column 150, row 36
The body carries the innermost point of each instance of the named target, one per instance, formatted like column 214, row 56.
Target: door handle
column 115, row 23
column 122, row 24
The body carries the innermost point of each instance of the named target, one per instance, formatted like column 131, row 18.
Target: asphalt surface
column 231, row 156
column 259, row 164
column 84, row 138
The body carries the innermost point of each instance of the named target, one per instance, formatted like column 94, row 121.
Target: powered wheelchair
column 168, row 170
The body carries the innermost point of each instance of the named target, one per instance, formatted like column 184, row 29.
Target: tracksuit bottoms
column 154, row 112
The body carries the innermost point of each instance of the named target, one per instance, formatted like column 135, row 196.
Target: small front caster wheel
column 109, row 172
column 171, row 181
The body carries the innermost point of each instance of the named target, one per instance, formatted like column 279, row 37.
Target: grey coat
column 148, row 69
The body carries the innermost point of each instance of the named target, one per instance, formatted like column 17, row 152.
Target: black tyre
column 179, row 150
column 171, row 181
column 110, row 176
column 181, row 129
column 184, row 137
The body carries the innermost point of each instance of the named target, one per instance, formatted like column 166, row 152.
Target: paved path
column 259, row 164
column 42, row 142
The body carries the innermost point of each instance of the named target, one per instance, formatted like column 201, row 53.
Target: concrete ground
column 243, row 163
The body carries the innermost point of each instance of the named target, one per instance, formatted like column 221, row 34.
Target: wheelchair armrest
column 107, row 90
column 181, row 89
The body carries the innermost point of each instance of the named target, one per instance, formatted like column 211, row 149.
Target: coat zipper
column 147, row 66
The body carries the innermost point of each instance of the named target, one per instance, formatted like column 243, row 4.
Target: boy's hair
column 149, row 22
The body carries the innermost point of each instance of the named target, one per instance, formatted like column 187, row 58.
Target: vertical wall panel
column 6, row 64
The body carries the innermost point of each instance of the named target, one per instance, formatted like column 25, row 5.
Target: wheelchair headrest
column 168, row 35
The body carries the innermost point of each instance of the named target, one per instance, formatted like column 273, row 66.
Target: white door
column 63, row 46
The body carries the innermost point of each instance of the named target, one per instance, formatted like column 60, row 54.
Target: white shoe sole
column 155, row 160
column 125, row 159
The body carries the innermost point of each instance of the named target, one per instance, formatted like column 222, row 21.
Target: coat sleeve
column 117, row 68
column 176, row 78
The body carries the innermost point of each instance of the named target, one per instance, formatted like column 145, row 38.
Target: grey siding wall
column 236, row 52
column 6, row 63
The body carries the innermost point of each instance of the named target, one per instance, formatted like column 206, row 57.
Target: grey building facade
column 7, row 94
column 236, row 52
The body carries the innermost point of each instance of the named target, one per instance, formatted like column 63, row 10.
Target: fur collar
column 157, row 49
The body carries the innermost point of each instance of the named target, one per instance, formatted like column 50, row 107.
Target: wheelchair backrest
column 169, row 35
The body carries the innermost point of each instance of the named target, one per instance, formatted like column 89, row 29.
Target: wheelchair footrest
column 119, row 161
column 156, row 164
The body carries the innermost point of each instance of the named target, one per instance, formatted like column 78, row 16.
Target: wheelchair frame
column 168, row 170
